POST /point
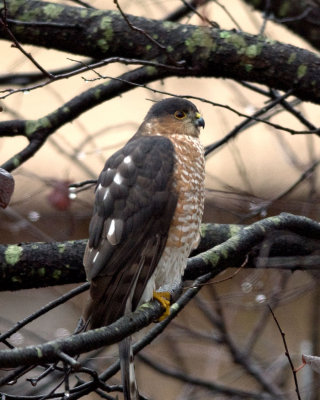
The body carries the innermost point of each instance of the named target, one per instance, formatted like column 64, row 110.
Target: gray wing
column 134, row 205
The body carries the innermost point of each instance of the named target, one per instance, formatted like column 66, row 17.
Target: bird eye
column 180, row 114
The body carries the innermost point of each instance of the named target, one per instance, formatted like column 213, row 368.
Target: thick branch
column 201, row 51
column 77, row 344
column 34, row 265
column 216, row 259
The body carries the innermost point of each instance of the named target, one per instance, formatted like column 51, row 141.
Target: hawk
column 148, row 207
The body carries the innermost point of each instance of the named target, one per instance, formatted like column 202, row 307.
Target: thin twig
column 43, row 310
column 84, row 68
column 200, row 382
column 283, row 335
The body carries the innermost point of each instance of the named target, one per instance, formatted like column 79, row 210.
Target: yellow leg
column 164, row 299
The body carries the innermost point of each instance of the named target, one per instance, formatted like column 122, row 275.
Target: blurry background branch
column 301, row 17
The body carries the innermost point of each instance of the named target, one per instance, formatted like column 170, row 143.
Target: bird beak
column 199, row 120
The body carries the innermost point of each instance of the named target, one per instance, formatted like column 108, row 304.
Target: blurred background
column 247, row 179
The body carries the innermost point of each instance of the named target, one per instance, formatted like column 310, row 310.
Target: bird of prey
column 148, row 207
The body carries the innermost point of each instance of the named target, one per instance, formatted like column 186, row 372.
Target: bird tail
column 130, row 389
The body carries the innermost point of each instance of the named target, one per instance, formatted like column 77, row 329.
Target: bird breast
column 184, row 233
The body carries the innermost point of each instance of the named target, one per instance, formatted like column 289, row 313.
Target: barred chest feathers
column 184, row 232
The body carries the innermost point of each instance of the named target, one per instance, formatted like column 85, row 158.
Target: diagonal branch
column 214, row 260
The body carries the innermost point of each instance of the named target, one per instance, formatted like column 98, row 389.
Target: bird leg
column 164, row 298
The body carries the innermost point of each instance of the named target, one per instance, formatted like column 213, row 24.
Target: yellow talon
column 164, row 298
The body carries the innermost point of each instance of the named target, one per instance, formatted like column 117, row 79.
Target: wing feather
column 134, row 205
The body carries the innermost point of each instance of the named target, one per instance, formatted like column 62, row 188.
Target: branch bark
column 32, row 265
column 216, row 259
column 200, row 51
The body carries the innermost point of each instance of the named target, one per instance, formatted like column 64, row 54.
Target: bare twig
column 43, row 310
column 84, row 68
column 283, row 335
column 202, row 383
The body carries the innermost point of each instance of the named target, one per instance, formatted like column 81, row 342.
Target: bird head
column 172, row 116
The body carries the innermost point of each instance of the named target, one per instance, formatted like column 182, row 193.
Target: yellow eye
column 180, row 114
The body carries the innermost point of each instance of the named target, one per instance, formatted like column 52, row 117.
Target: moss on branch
column 32, row 265
column 203, row 51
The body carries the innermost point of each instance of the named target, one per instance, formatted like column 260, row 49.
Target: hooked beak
column 199, row 120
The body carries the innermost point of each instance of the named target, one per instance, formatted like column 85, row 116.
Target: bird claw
column 164, row 298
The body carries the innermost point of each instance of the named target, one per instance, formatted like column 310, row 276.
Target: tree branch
column 38, row 131
column 215, row 260
column 205, row 51
column 301, row 17
column 292, row 245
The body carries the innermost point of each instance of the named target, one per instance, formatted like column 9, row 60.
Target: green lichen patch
column 106, row 24
column 52, row 10
column 201, row 40
column 225, row 34
column 34, row 125
column 96, row 13
column 84, row 13
column 151, row 70
column 106, row 33
column 175, row 307
column 39, row 352
column 27, row 14
column 292, row 57
column 270, row 41
column 203, row 230
column 248, row 67
column 103, row 44
column 16, row 161
column 61, row 248
column 41, row 271
column 234, row 230
column 56, row 274
column 97, row 93
column 254, row 50
column 169, row 25
column 237, row 41
column 144, row 306
column 210, row 257
column 302, row 70
column 13, row 254
column 16, row 279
